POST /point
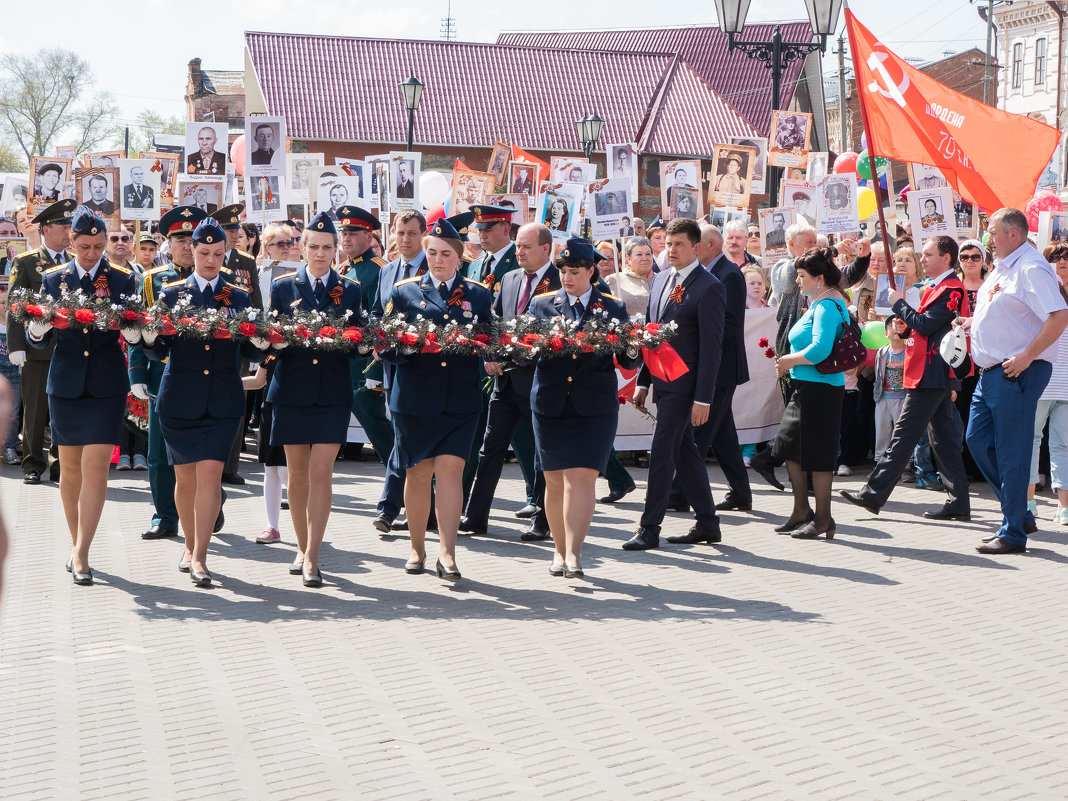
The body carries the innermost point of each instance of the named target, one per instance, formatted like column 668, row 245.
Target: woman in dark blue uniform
column 311, row 392
column 87, row 384
column 436, row 398
column 576, row 407
column 200, row 401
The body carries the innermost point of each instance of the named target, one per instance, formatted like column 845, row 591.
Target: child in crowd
column 755, row 287
column 889, row 383
column 9, row 428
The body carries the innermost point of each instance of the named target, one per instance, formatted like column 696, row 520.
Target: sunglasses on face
column 119, row 238
column 284, row 243
column 753, row 234
column 1056, row 257
column 971, row 257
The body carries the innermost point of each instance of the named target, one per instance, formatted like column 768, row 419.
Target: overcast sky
column 139, row 51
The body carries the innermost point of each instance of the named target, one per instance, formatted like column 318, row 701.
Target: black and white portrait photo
column 610, row 203
column 405, row 185
column 204, row 195
column 299, row 169
column 48, row 175
column 836, row 197
column 205, row 148
column 334, row 192
column 932, row 213
column 263, row 198
column 265, row 146
column 140, row 194
column 137, row 194
column 776, row 235
column 678, row 181
column 759, row 165
column 404, row 181
column 789, row 139
column 96, row 190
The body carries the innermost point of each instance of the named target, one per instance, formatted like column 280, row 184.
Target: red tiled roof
column 347, row 89
column 743, row 82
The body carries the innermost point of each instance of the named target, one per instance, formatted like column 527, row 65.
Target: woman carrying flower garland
column 87, row 383
column 200, row 401
column 311, row 391
column 575, row 404
column 436, row 397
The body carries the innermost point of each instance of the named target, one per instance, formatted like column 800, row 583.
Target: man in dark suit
column 135, row 195
column 207, row 160
column 405, row 184
column 930, row 385
column 509, row 416
column 693, row 299
column 264, row 138
column 98, row 196
column 523, row 183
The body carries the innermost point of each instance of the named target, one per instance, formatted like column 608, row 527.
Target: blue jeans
column 1056, row 411
column 1001, row 429
column 921, row 456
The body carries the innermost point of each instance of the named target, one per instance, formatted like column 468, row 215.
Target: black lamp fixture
column 412, row 88
column 589, row 131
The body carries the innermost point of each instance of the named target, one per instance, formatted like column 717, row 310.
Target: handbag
column 848, row 351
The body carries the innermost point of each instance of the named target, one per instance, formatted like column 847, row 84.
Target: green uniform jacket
column 366, row 269
column 143, row 371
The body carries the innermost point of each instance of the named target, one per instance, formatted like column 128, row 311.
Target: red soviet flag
column 991, row 157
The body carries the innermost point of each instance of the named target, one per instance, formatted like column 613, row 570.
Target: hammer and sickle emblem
column 893, row 91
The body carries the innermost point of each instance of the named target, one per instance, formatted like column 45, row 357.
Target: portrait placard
column 263, row 198
column 265, row 146
column 773, row 224
column 404, row 181
column 97, row 188
column 374, row 194
column 1051, row 177
column 515, row 201
column 802, row 198
column 202, row 191
column 66, row 151
column 166, row 164
column 355, row 168
column 623, row 163
column 816, row 169
column 966, row 217
column 11, row 247
column 139, row 199
column 381, row 180
column 47, row 178
column 16, row 194
column 570, row 169
column 521, row 178
column 610, row 208
column 498, row 164
column 206, row 148
column 721, row 215
column 931, row 213
column 759, row 167
column 731, row 169
column 679, row 194
column 1052, row 228
column 790, row 135
column 469, row 187
column 924, row 176
column 332, row 192
column 557, row 209
column 837, row 204
column 103, row 158
column 298, row 172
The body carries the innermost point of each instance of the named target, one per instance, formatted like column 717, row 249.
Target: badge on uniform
column 466, row 306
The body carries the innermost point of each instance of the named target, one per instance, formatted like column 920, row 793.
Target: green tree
column 45, row 95
column 11, row 160
column 149, row 123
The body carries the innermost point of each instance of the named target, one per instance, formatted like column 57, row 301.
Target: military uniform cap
column 229, row 216
column 148, row 238
column 732, row 156
column 580, row 250
column 443, row 229
column 462, row 222
column 50, row 166
column 87, row 221
column 486, row 216
column 59, row 212
column 322, row 224
column 353, row 218
column 180, row 220
column 208, row 232
column 658, row 222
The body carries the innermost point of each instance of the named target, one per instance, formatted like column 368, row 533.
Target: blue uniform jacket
column 304, row 376
column 202, row 375
column 699, row 314
column 87, row 361
column 492, row 279
column 437, row 383
column 588, row 379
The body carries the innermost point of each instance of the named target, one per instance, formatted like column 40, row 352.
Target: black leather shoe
column 527, row 512
column 82, row 579
column 469, row 526
column 312, row 579
column 790, row 526
column 615, row 495
column 200, row 579
column 535, row 533
column 399, row 525
column 854, row 498
column 383, row 522
column 158, row 532
column 696, row 535
column 1000, row 546
column 32, row 477
column 449, row 575
column 1030, row 528
column 946, row 513
column 810, row 532
column 731, row 502
column 233, row 478
column 644, row 539
column 70, row 564
column 184, row 567
column 296, row 568
column 220, row 521
column 762, row 465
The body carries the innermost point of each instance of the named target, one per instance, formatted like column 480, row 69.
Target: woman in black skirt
column 575, row 402
column 87, row 384
column 809, row 433
column 436, row 398
column 311, row 392
column 200, row 400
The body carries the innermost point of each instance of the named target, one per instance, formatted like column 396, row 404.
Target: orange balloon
column 237, row 154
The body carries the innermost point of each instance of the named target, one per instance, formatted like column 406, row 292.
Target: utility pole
column 843, row 145
column 987, row 77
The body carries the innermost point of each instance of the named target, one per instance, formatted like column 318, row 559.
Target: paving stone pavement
column 893, row 662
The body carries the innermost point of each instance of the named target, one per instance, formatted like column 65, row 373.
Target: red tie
column 524, row 297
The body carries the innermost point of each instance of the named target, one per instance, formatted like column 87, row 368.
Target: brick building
column 217, row 95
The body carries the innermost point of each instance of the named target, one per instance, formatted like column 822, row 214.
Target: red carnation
column 556, row 344
column 531, row 339
column 167, row 328
column 328, row 331
column 408, row 338
column 129, row 316
column 763, row 342
column 301, row 332
column 84, row 316
column 622, row 400
column 186, row 321
column 222, row 332
column 482, row 339
column 954, row 302
column 352, row 334
column 274, row 336
column 612, row 339
column 247, row 329
column 62, row 318
column 33, row 310
column 770, row 353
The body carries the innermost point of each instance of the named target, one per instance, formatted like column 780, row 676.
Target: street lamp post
column 589, row 131
column 776, row 55
column 413, row 93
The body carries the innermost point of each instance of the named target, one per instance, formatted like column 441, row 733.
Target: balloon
column 863, row 141
column 846, row 163
column 433, row 187
column 864, row 165
column 434, row 214
column 237, row 154
column 1042, row 201
column 866, row 203
column 874, row 335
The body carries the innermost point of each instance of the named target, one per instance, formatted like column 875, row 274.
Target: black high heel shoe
column 810, row 532
column 448, row 575
column 200, row 579
column 82, row 579
column 312, row 579
column 791, row 525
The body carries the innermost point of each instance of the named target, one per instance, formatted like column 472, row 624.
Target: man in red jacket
column 930, row 388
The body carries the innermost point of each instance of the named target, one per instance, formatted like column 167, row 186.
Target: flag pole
column 871, row 150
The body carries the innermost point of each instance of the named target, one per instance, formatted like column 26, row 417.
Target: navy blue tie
column 320, row 290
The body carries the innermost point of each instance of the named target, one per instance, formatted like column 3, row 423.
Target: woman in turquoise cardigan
column 808, row 436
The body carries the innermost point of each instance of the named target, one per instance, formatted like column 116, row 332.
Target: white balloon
column 433, row 188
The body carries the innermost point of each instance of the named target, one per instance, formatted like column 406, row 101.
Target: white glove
column 370, row 383
column 259, row 343
column 18, row 358
column 148, row 337
column 280, row 345
column 139, row 391
column 36, row 330
column 132, row 335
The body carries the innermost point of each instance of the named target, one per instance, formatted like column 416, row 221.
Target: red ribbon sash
column 665, row 363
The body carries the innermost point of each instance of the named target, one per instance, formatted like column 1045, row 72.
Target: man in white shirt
column 1019, row 315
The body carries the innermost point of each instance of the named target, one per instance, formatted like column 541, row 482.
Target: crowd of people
column 443, row 438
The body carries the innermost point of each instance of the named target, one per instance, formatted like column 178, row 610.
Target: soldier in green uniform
column 369, row 407
column 26, row 274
